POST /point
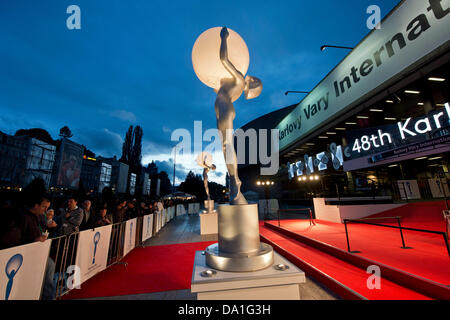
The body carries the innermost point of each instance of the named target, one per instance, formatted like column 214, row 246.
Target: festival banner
column 92, row 252
column 22, row 271
column 130, row 236
column 439, row 188
column 147, row 227
column 409, row 189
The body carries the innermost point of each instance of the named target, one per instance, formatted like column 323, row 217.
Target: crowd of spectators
column 41, row 219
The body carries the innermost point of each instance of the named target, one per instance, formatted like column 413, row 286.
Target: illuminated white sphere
column 204, row 158
column 206, row 56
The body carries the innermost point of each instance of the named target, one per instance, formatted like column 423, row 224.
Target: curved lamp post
column 322, row 48
column 287, row 92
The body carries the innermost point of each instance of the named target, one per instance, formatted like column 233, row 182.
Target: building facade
column 378, row 123
column 23, row 159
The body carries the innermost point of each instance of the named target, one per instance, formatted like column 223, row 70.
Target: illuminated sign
column 409, row 33
column 375, row 140
column 333, row 157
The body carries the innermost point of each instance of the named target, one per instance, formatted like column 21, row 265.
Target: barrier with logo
column 77, row 257
column 158, row 224
column 409, row 189
column 181, row 210
column 22, row 271
column 147, row 227
column 164, row 217
column 439, row 188
column 92, row 253
column 130, row 236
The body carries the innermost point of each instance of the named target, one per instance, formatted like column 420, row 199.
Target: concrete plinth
column 208, row 223
column 267, row 284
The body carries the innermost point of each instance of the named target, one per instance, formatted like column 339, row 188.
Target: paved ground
column 187, row 229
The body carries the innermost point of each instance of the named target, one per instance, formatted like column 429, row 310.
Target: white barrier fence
column 268, row 206
column 193, row 208
column 22, row 271
column 181, row 210
column 147, row 227
column 92, row 251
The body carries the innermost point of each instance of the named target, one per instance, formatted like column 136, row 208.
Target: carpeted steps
column 342, row 275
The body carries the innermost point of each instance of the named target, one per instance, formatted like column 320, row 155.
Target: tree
column 65, row 132
column 136, row 151
column 132, row 151
column 152, row 169
column 193, row 184
column 37, row 133
column 127, row 146
column 165, row 186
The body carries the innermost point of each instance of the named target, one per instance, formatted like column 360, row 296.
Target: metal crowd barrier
column 63, row 251
column 363, row 221
column 311, row 220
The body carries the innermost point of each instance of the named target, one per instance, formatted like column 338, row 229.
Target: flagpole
column 174, row 162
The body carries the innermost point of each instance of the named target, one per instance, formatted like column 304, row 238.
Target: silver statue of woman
column 230, row 90
column 206, row 169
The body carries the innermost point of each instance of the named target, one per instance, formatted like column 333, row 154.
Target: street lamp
column 287, row 92
column 266, row 184
column 322, row 48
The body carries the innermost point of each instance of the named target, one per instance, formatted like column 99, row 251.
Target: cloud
column 124, row 115
column 10, row 124
column 167, row 166
column 102, row 142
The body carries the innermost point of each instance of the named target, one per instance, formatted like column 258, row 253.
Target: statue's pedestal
column 208, row 223
column 239, row 248
column 268, row 284
column 209, row 206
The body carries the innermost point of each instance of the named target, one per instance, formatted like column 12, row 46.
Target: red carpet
column 321, row 250
column 347, row 280
column 150, row 269
column 428, row 258
column 419, row 215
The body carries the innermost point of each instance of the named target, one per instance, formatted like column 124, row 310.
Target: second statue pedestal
column 239, row 248
column 208, row 223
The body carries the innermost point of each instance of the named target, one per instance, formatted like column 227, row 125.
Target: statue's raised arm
column 224, row 56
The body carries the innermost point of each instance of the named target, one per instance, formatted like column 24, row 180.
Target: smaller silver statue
column 204, row 160
column 205, row 178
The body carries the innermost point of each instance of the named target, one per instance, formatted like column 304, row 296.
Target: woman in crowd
column 101, row 219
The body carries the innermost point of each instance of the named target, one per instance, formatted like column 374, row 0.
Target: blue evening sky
column 130, row 64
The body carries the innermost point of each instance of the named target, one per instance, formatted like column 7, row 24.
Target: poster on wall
column 147, row 227
column 22, row 271
column 70, row 165
column 130, row 236
column 438, row 187
column 409, row 189
column 92, row 251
